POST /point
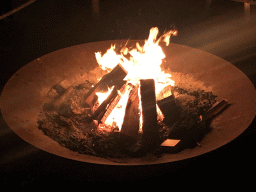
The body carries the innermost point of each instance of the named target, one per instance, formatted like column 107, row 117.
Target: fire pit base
column 27, row 91
column 76, row 130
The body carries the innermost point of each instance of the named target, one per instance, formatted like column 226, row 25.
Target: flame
column 144, row 63
column 103, row 95
column 118, row 112
column 109, row 60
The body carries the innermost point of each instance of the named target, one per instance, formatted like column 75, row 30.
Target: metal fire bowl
column 25, row 93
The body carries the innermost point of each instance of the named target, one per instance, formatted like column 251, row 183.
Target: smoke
column 231, row 39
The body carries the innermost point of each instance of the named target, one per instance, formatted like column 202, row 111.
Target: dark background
column 216, row 26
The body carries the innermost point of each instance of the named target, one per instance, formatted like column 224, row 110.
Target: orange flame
column 109, row 60
column 103, row 96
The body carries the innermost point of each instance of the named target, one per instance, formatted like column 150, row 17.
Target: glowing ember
column 144, row 63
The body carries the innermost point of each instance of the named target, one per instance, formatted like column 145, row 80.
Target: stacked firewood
column 144, row 105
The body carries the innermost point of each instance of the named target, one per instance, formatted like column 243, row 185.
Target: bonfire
column 136, row 108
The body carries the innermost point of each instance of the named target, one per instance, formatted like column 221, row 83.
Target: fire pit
column 49, row 81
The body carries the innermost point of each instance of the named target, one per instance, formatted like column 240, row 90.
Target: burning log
column 169, row 110
column 109, row 103
column 111, row 79
column 100, row 111
column 114, row 103
column 131, row 123
column 150, row 126
column 196, row 129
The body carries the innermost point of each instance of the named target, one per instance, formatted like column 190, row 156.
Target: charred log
column 111, row 79
column 169, row 110
column 131, row 123
column 150, row 126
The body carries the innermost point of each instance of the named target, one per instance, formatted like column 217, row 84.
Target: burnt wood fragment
column 64, row 97
column 193, row 135
column 196, row 128
column 57, row 90
column 150, row 126
column 169, row 110
column 113, row 78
